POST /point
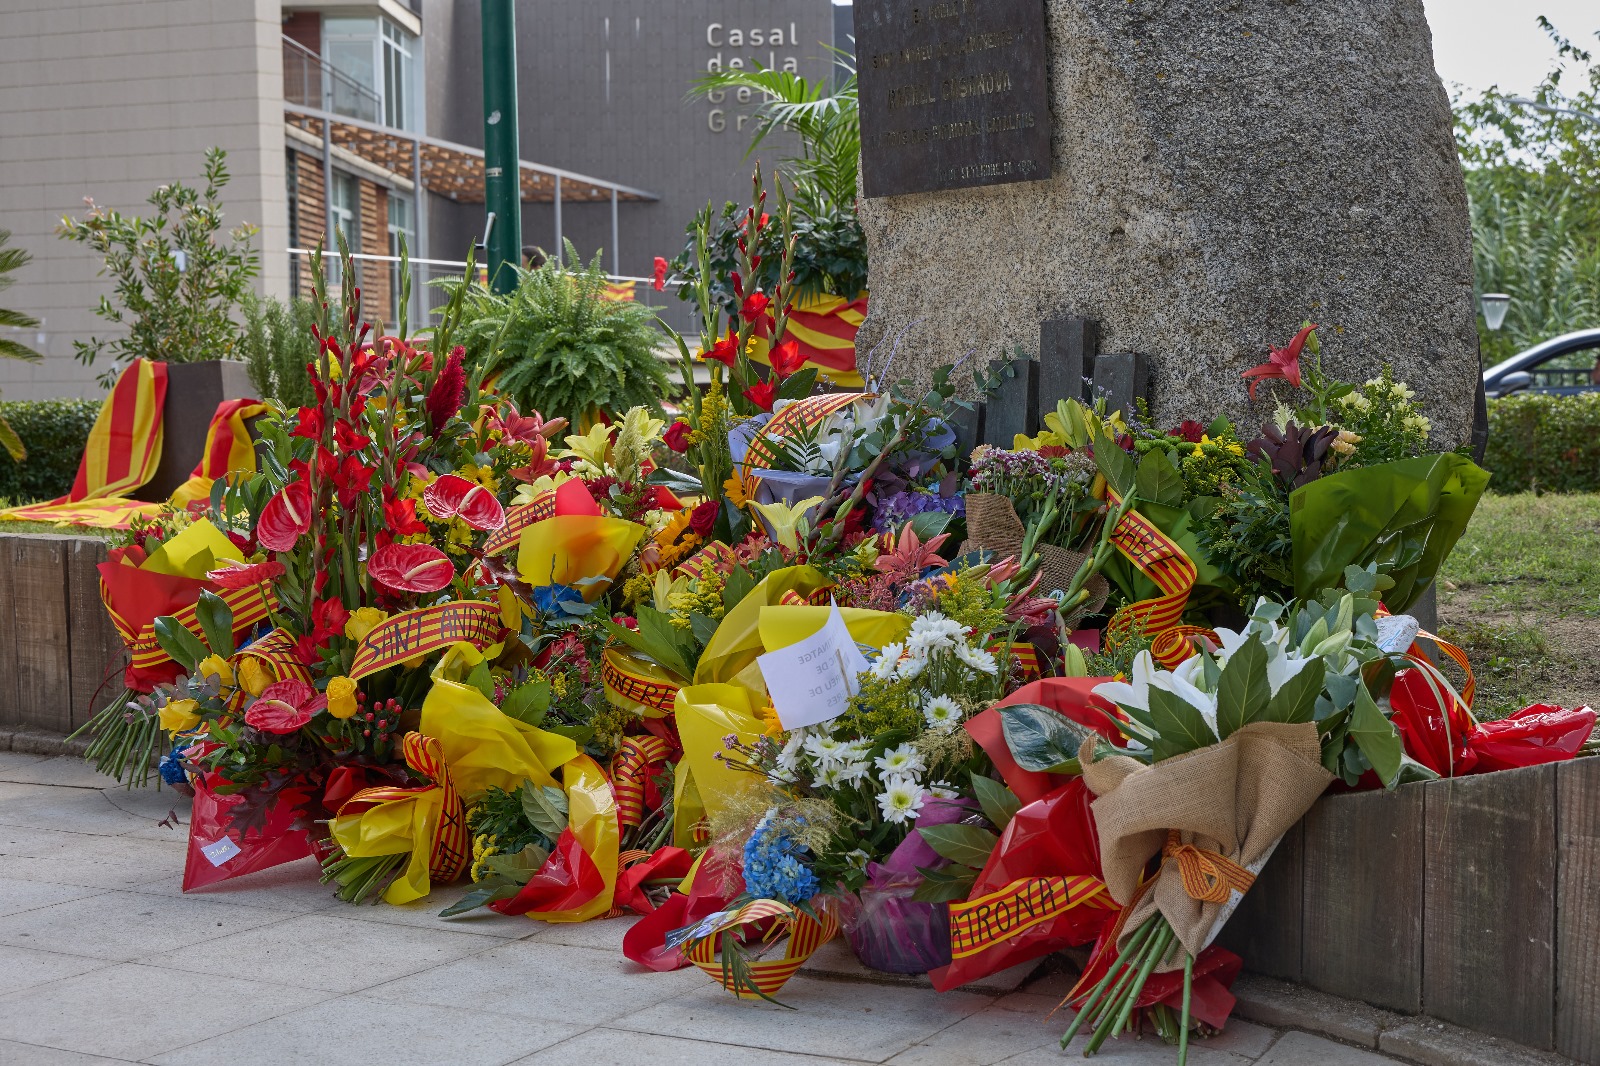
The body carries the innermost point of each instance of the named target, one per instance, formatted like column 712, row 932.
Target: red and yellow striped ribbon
column 1159, row 558
column 806, row 935
column 427, row 629
column 248, row 606
column 519, row 518
column 1022, row 654
column 630, row 769
column 798, row 417
column 995, row 917
column 618, row 291
column 715, row 556
column 450, row 850
column 824, row 326
column 637, row 685
column 275, row 650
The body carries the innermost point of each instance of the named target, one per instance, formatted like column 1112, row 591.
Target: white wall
column 110, row 99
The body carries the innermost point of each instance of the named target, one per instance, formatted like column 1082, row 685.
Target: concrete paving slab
column 603, row 934
column 69, row 771
column 358, row 1029
column 1303, row 1049
column 133, row 1012
column 832, row 1018
column 25, row 968
column 1150, row 1050
column 12, row 1052
column 424, row 914
column 983, row 1039
column 613, row 1047
column 320, row 951
column 75, row 810
column 536, row 979
column 150, row 803
column 12, row 760
column 124, row 926
column 291, row 887
column 17, row 895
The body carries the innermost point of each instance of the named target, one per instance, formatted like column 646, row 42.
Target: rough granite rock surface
column 1222, row 171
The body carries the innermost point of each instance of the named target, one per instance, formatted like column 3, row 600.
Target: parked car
column 1526, row 371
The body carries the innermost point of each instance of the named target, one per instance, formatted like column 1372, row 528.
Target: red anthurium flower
column 725, row 351
column 762, row 393
column 348, row 438
column 310, row 424
column 677, row 436
column 754, row 306
column 411, row 568
column 1282, row 363
column 661, row 274
column 285, row 517
column 453, row 496
column 284, row 706
column 703, row 517
column 786, row 358
column 237, row 575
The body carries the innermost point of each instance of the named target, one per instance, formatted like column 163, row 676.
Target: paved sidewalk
column 103, row 959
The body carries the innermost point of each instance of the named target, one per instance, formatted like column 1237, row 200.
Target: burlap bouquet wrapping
column 1235, row 800
column 993, row 525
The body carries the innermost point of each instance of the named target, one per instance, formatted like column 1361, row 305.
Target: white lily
column 1199, row 699
column 1136, row 694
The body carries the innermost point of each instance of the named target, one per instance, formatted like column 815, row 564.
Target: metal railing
column 308, row 81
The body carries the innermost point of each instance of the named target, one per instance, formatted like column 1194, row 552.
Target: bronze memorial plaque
column 953, row 94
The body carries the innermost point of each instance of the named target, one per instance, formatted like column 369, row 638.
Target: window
column 401, row 222
column 292, row 176
column 372, row 73
column 396, row 76
column 342, row 208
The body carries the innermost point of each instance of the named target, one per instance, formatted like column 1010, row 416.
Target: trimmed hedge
column 54, row 432
column 1547, row 443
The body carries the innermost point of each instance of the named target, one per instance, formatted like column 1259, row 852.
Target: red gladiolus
column 703, row 518
column 237, row 575
column 677, row 436
column 310, row 423
column 762, row 393
column 1282, row 363
column 661, row 274
column 400, row 518
column 448, row 392
column 327, row 619
column 284, row 706
column 348, row 438
column 754, row 306
column 411, row 568
column 453, row 496
column 285, row 517
column 352, row 478
column 786, row 358
column 725, row 351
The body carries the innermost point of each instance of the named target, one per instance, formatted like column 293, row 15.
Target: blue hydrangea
column 551, row 599
column 772, row 866
column 172, row 767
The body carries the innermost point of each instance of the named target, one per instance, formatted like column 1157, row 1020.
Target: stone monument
column 1218, row 172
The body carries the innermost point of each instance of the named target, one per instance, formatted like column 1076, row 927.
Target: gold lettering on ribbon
column 428, row 629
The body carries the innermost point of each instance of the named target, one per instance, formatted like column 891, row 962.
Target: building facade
column 365, row 118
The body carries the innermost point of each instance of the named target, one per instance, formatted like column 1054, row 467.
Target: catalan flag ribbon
column 519, row 518
column 228, row 449
column 630, row 769
column 806, row 935
column 636, row 684
column 1159, row 558
column 981, row 923
column 825, row 328
column 797, row 418
column 427, row 629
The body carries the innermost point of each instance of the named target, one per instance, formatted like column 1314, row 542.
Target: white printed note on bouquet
column 812, row 680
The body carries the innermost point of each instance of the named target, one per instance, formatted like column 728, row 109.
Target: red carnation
column 762, row 394
column 677, row 436
column 703, row 518
column 448, row 392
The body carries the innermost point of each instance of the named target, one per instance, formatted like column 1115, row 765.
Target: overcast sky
column 1479, row 43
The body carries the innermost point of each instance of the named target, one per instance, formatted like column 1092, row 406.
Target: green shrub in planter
column 1548, row 443
column 54, row 432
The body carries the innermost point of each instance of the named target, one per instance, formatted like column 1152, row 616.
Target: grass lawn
column 1521, row 593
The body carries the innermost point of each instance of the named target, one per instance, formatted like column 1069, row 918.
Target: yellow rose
column 362, row 621
column 217, row 666
column 341, row 697
column 180, row 716
column 253, row 676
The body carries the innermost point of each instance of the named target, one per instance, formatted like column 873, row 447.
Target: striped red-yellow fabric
column 228, row 449
column 715, row 556
column 1159, row 558
column 1023, row 655
column 806, row 935
column 424, row 630
column 825, row 328
column 248, row 605
column 630, row 769
column 795, row 418
column 275, row 651
column 450, row 849
column 122, row 453
column 980, row 923
column 618, row 291
column 519, row 518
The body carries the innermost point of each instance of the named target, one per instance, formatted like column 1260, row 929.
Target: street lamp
column 1494, row 309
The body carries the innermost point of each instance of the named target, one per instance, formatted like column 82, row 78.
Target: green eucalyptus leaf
column 964, row 844
column 1377, row 738
column 1341, row 690
column 528, row 702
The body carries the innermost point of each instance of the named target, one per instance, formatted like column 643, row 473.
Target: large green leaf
column 999, row 803
column 1242, row 691
column 964, row 844
column 545, row 807
column 1296, row 700
column 483, row 893
column 216, row 619
column 945, row 886
column 184, row 647
column 1041, row 739
column 1158, row 481
column 1375, row 735
column 1114, row 465
column 528, row 702
column 1179, row 726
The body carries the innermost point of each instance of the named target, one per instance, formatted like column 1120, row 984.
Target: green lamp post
column 501, row 169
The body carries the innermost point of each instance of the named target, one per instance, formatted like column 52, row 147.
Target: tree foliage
column 277, row 344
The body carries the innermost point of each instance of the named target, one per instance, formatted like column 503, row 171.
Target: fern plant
column 557, row 345
column 13, row 259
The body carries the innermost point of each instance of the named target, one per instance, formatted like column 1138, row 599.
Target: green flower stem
column 1162, row 942
column 1183, row 1025
column 1093, row 1000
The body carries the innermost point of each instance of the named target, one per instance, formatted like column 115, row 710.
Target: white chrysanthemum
column 854, row 771
column 976, row 659
column 900, row 800
column 903, row 761
column 932, row 632
column 943, row 790
column 857, row 749
column 828, row 777
column 942, row 713
column 825, row 750
column 910, row 668
column 789, row 757
column 883, row 666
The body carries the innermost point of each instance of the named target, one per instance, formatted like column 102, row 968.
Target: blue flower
column 549, row 598
column 172, row 767
column 772, row 866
